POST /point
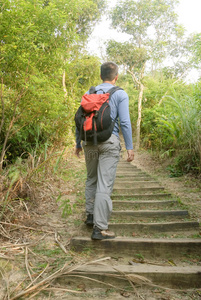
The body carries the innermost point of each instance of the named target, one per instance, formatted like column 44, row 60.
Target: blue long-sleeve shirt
column 119, row 104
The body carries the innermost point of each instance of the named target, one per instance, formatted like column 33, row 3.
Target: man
column 102, row 159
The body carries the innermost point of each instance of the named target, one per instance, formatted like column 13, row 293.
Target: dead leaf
column 81, row 287
column 125, row 294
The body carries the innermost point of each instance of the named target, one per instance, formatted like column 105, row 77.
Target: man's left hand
column 77, row 151
column 130, row 155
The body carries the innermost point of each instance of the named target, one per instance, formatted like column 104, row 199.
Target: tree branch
column 134, row 77
column 3, row 107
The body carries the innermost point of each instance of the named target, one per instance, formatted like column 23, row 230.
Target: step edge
column 143, row 240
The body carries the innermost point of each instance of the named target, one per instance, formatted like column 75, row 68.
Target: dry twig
column 6, row 257
column 41, row 273
column 27, row 264
column 59, row 243
column 25, row 227
column 43, row 284
column 63, row 290
column 4, row 233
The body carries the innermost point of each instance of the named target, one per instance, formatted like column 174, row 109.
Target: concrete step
column 138, row 184
column 121, row 205
column 148, row 214
column 142, row 190
column 142, row 208
column 132, row 229
column 146, row 196
column 126, row 163
column 128, row 172
column 132, row 179
column 156, row 249
column 120, row 275
column 126, row 167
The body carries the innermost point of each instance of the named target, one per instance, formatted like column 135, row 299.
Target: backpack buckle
column 96, row 114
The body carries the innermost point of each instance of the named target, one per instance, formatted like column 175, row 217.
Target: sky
column 188, row 15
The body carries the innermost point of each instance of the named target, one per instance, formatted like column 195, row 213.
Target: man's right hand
column 130, row 155
column 77, row 151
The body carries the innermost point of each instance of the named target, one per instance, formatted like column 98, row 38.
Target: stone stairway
column 155, row 235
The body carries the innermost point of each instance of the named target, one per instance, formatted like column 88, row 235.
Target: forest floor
column 35, row 235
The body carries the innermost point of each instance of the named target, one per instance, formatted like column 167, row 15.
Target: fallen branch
column 41, row 273
column 63, row 290
column 6, row 257
column 14, row 245
column 27, row 264
column 4, row 233
column 95, row 280
column 18, row 246
column 39, row 290
column 43, row 284
column 59, row 243
column 25, row 227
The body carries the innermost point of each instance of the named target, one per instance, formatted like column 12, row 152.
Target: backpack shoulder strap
column 113, row 90
column 92, row 90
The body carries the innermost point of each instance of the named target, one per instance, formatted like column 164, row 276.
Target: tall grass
column 185, row 116
column 26, row 178
column 175, row 129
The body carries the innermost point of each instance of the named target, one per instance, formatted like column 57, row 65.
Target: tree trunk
column 139, row 116
column 2, row 107
column 64, row 84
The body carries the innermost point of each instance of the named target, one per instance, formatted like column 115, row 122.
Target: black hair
column 109, row 70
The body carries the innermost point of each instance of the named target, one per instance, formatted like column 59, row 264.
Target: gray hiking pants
column 101, row 162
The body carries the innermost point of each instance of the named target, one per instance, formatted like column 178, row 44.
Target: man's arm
column 125, row 124
column 78, row 148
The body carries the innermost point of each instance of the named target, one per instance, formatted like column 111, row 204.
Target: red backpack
column 92, row 119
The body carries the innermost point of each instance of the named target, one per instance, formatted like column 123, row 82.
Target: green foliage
column 157, row 86
column 127, row 54
column 125, row 82
column 174, row 127
column 155, row 38
column 197, row 48
column 81, row 73
column 65, row 206
column 151, row 25
column 40, row 39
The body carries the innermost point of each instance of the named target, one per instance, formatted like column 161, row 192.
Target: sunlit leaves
column 151, row 24
column 39, row 40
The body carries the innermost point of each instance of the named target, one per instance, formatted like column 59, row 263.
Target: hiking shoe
column 99, row 234
column 90, row 220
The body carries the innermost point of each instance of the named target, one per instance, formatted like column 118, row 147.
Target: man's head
column 109, row 71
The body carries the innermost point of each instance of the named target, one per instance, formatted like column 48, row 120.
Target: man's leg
column 109, row 152
column 91, row 159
